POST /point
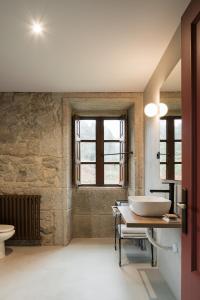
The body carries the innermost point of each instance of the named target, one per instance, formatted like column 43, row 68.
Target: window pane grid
column 88, row 137
column 163, row 151
column 111, row 174
column 88, row 173
column 111, row 148
column 178, row 171
column 163, row 170
column 111, row 129
column 88, row 129
column 177, row 128
column 163, row 129
column 88, row 152
column 173, row 142
column 177, row 151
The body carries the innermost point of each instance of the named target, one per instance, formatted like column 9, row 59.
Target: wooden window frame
column 123, row 163
column 170, row 146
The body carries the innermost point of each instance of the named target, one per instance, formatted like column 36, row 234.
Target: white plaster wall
column 152, row 164
column 152, row 94
column 169, row 263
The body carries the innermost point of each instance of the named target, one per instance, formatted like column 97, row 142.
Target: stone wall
column 33, row 157
column 136, row 145
column 92, row 214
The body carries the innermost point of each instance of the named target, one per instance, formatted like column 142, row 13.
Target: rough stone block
column 67, row 198
column 67, row 226
column 90, row 226
column 47, row 227
column 59, row 227
column 96, row 201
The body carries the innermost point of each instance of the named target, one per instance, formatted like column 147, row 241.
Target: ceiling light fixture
column 151, row 110
column 37, row 28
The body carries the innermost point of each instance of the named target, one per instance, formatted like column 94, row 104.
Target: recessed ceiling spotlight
column 37, row 28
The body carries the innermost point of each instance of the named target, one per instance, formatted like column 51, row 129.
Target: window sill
column 87, row 187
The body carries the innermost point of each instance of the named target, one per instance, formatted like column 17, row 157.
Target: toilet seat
column 6, row 228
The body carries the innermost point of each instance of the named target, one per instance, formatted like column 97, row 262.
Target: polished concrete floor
column 85, row 270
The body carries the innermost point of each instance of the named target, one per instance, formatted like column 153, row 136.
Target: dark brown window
column 170, row 148
column 99, row 146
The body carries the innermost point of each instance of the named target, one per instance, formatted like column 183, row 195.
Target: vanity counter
column 133, row 220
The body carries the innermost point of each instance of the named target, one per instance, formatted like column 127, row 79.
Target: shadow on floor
column 8, row 251
column 132, row 253
column 155, row 285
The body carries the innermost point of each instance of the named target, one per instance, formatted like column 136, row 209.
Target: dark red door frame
column 191, row 149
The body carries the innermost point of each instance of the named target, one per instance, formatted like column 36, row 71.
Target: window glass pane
column 178, row 171
column 110, row 148
column 163, row 171
column 111, row 129
column 178, row 129
column 88, row 152
column 178, row 152
column 88, row 174
column 163, row 135
column 163, row 151
column 111, row 174
column 88, row 129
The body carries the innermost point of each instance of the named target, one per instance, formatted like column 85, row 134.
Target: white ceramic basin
column 149, row 206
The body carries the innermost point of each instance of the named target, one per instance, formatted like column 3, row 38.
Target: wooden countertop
column 133, row 220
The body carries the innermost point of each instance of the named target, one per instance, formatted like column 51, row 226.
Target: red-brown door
column 191, row 150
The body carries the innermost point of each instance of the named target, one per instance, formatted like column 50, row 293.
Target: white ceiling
column 173, row 82
column 90, row 45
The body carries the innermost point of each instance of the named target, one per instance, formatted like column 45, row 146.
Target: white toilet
column 6, row 232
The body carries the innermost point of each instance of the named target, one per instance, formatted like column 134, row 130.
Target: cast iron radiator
column 22, row 211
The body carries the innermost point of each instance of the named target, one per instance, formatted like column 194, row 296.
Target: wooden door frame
column 190, row 270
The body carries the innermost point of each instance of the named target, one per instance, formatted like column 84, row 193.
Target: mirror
column 170, row 154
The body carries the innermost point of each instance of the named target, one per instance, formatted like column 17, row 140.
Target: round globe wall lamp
column 152, row 109
column 163, row 109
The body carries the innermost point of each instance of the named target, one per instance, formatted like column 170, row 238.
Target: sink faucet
column 170, row 191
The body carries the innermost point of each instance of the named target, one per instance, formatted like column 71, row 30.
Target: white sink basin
column 149, row 206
